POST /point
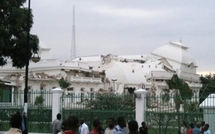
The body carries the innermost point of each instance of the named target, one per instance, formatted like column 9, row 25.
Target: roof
column 47, row 65
column 179, row 44
column 129, row 73
column 175, row 51
column 88, row 58
column 136, row 57
column 42, row 45
column 126, row 73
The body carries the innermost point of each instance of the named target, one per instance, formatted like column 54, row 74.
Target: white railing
column 159, row 75
column 85, row 79
column 189, row 76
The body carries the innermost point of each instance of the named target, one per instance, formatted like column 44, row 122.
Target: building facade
column 106, row 73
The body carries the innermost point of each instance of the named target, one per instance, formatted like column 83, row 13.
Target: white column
column 56, row 102
column 140, row 95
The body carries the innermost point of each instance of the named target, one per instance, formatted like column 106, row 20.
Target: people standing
column 196, row 129
column 183, row 129
column 83, row 129
column 97, row 127
column 111, row 125
column 119, row 128
column 15, row 124
column 190, row 130
column 63, row 127
column 71, row 125
column 206, row 129
column 56, row 124
column 202, row 127
column 133, row 127
column 143, row 129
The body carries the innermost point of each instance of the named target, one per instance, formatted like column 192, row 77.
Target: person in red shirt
column 97, row 127
column 190, row 130
column 72, row 124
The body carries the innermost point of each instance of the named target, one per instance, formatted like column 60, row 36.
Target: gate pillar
column 140, row 106
column 56, row 102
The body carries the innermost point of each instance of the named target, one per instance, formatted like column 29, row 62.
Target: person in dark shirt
column 143, row 129
column 190, row 130
column 71, row 125
column 133, row 127
column 97, row 127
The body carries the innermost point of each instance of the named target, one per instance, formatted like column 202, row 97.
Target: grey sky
column 127, row 27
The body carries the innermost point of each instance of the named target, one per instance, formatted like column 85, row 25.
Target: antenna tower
column 73, row 47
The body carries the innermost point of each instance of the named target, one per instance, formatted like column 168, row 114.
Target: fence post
column 140, row 106
column 56, row 96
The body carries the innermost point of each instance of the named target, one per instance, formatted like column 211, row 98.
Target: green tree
column 176, row 83
column 184, row 92
column 208, row 86
column 63, row 83
column 14, row 26
column 39, row 100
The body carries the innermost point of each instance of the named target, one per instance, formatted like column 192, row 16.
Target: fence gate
column 165, row 114
column 39, row 110
column 102, row 106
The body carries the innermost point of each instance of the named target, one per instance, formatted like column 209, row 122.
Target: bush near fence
column 39, row 119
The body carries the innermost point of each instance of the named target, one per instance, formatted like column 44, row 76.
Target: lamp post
column 35, row 58
column 27, row 61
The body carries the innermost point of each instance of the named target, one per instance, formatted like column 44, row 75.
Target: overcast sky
column 126, row 27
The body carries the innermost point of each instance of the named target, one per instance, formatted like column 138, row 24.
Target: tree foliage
column 208, row 86
column 63, row 83
column 176, row 83
column 13, row 33
column 39, row 100
column 184, row 90
column 111, row 101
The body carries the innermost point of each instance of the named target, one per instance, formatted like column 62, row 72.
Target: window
column 70, row 89
column 82, row 94
column 71, row 96
column 5, row 93
column 29, row 94
column 91, row 94
column 82, row 97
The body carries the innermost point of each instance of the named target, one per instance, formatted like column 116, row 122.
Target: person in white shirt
column 83, row 129
column 183, row 128
column 56, row 124
column 111, row 125
column 206, row 130
column 120, row 127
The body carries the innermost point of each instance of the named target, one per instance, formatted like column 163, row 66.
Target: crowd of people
column 198, row 128
column 72, row 125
